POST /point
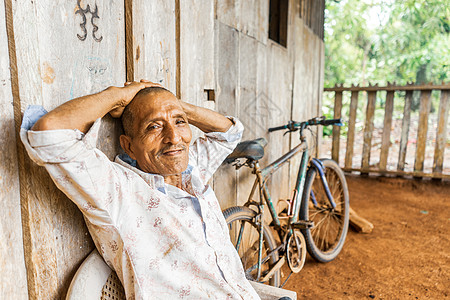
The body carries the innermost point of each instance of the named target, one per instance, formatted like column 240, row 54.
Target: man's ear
column 125, row 143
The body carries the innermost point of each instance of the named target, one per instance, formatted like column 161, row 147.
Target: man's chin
column 174, row 170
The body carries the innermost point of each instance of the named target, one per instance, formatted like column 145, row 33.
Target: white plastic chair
column 95, row 280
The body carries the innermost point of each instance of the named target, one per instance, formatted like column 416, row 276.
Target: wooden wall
column 215, row 54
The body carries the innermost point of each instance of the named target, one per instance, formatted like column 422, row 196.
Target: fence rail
column 372, row 91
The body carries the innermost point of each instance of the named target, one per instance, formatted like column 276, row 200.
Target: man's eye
column 181, row 121
column 152, row 127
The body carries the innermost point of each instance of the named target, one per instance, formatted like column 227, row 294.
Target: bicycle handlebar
column 278, row 128
column 293, row 126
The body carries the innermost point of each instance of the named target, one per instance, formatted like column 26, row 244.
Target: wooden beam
column 13, row 280
column 405, row 131
column 441, row 132
column 422, row 87
column 351, row 129
column 398, row 173
column 359, row 224
column 368, row 129
column 336, row 129
column 386, row 138
column 178, row 49
column 422, row 130
column 129, row 45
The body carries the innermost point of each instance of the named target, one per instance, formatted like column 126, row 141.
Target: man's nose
column 171, row 135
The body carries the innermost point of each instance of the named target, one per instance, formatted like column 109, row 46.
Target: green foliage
column 378, row 41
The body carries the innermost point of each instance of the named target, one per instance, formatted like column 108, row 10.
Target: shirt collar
column 153, row 180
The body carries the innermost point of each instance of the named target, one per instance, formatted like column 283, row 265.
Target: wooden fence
column 380, row 167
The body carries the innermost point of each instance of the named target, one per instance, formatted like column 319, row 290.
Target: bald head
column 132, row 108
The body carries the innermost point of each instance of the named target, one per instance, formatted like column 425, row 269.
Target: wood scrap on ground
column 359, row 224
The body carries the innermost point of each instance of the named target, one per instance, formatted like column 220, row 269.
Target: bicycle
column 316, row 222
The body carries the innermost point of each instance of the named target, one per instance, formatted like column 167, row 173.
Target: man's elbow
column 43, row 124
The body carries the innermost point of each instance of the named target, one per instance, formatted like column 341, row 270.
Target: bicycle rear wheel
column 326, row 239
column 243, row 218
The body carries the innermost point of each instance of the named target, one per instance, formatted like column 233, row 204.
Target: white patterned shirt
column 163, row 242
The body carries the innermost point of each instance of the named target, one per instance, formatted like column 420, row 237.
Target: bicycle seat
column 253, row 149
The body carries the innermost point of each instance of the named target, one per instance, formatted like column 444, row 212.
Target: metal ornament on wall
column 94, row 15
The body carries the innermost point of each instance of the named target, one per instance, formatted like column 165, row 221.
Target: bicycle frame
column 264, row 196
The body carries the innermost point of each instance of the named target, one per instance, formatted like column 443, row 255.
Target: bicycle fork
column 318, row 165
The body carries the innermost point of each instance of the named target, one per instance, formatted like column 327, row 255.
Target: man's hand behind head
column 127, row 93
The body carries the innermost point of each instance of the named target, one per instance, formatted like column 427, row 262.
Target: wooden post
column 351, row 130
column 425, row 104
column 405, row 131
column 13, row 278
column 441, row 132
column 386, row 142
column 336, row 129
column 368, row 130
column 129, row 44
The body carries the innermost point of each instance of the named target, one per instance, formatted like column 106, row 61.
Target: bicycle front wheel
column 326, row 239
column 242, row 225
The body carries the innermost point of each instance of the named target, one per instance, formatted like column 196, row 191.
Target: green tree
column 387, row 40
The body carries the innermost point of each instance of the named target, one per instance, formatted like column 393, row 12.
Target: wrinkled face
column 160, row 144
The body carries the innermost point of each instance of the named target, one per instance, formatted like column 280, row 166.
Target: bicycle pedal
column 302, row 224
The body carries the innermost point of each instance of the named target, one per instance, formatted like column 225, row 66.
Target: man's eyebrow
column 156, row 118
column 180, row 115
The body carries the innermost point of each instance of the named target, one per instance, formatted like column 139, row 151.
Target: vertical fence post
column 336, row 129
column 425, row 105
column 351, row 129
column 386, row 138
column 405, row 131
column 441, row 132
column 368, row 129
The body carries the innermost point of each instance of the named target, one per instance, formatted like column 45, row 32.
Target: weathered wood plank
column 197, row 54
column 368, row 129
column 318, row 109
column 227, row 97
column 250, row 112
column 386, row 138
column 129, row 40
column 249, row 17
column 154, row 26
column 279, row 111
column 351, row 130
column 441, row 132
column 424, row 111
column 336, row 129
column 228, row 13
column 13, row 281
column 80, row 61
column 197, row 51
column 308, row 54
column 405, row 131
column 255, row 19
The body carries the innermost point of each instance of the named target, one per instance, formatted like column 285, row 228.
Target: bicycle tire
column 248, row 250
column 325, row 240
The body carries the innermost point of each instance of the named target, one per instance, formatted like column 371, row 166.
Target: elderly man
column 151, row 213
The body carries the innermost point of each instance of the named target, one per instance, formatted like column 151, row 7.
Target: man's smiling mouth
column 173, row 152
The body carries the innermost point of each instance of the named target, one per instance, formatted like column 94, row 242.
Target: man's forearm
column 205, row 119
column 81, row 113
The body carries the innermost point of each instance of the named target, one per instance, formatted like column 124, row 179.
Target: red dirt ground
column 407, row 256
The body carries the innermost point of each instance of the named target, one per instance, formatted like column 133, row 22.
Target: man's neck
column 174, row 180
